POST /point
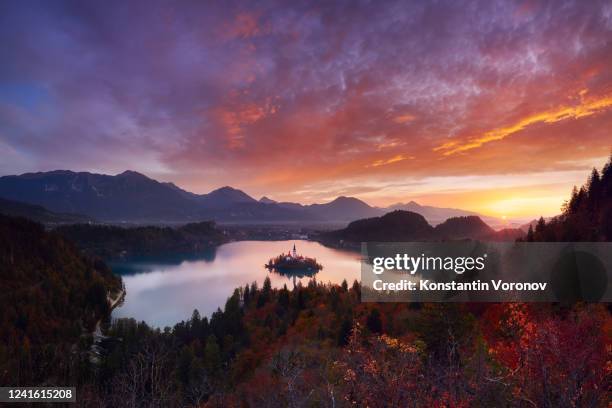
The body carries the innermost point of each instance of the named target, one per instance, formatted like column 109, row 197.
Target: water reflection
column 164, row 290
column 148, row 263
column 295, row 275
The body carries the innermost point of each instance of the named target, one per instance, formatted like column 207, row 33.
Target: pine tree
column 212, row 355
column 246, row 295
column 606, row 178
column 530, row 234
column 356, row 289
column 594, row 190
column 572, row 206
column 266, row 292
column 344, row 285
column 196, row 322
column 267, row 286
column 540, row 225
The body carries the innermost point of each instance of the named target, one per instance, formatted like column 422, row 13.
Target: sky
column 494, row 106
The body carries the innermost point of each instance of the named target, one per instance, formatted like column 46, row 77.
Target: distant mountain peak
column 225, row 189
column 132, row 174
column 227, row 194
column 56, row 172
column 345, row 199
column 266, row 200
column 399, row 206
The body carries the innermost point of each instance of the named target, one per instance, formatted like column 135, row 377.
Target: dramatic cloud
column 307, row 100
column 559, row 114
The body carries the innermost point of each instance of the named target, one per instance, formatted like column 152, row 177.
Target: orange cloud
column 403, row 119
column 586, row 108
column 394, row 159
column 235, row 121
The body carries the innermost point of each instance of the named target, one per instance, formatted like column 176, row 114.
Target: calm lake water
column 164, row 290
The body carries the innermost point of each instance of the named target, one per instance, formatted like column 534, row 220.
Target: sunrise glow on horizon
column 498, row 108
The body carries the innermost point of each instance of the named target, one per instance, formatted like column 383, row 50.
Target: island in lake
column 293, row 264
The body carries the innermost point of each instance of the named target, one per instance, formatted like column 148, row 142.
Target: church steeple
column 294, row 253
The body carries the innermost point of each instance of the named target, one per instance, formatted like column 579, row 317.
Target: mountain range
column 136, row 198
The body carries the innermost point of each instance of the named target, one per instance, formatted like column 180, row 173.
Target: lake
column 164, row 290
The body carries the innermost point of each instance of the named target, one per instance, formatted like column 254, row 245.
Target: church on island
column 291, row 261
column 292, row 253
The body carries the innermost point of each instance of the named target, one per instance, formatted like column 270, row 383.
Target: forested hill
column 38, row 213
column 400, row 225
column 586, row 216
column 112, row 241
column 395, row 226
column 51, row 295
